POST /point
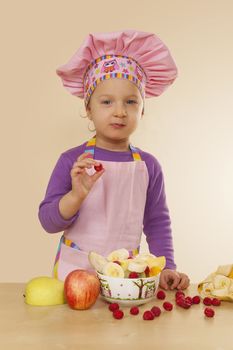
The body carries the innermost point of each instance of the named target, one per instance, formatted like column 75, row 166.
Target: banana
column 223, row 292
column 118, row 255
column 224, row 270
column 113, row 270
column 97, row 261
column 231, row 273
column 137, row 265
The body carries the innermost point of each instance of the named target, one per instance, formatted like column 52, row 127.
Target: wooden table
column 59, row 327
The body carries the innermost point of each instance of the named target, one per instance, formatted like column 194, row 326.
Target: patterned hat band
column 113, row 66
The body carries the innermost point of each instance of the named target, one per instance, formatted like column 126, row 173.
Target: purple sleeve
column 59, row 184
column 157, row 223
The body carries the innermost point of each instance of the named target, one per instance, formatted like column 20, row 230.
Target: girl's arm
column 157, row 223
column 59, row 186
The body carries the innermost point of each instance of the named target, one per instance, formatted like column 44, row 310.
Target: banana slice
column 207, row 288
column 113, row 270
column 224, row 270
column 159, row 262
column 137, row 265
column 118, row 255
column 144, row 256
column 125, row 264
column 97, row 261
column 221, row 282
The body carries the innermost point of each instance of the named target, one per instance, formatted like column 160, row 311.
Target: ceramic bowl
column 128, row 291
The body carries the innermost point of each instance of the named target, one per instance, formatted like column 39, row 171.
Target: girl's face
column 115, row 107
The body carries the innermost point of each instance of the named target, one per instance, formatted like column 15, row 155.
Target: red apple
column 81, row 289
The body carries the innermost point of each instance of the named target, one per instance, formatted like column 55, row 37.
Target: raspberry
column 133, row 275
column 98, row 167
column 113, row 307
column 189, row 300
column 134, row 310
column 207, row 301
column 161, row 295
column 179, row 293
column 156, row 311
column 167, row 306
column 147, row 271
column 118, row 314
column 209, row 312
column 182, row 302
column 216, row 302
column 148, row 315
column 196, row 299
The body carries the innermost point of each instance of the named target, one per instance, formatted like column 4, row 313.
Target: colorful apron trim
column 90, row 148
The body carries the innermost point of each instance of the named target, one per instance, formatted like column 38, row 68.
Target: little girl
column 104, row 193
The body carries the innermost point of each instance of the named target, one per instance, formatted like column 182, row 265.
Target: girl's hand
column 81, row 181
column 171, row 279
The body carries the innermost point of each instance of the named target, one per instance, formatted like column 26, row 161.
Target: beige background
column 189, row 128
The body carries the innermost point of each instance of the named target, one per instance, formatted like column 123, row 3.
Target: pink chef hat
column 137, row 56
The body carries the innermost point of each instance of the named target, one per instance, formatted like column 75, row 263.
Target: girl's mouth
column 117, row 125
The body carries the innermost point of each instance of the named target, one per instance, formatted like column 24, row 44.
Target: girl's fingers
column 184, row 281
column 163, row 282
column 176, row 281
column 97, row 174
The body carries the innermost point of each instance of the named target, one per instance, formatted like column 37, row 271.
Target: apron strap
column 90, row 148
column 71, row 244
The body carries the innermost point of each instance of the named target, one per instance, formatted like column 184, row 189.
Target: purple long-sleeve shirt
column 156, row 223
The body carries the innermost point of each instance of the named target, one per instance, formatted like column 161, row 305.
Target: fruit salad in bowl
column 125, row 279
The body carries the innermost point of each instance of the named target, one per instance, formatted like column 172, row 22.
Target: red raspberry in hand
column 216, row 302
column 156, row 311
column 161, row 295
column 134, row 310
column 133, row 275
column 118, row 314
column 148, row 316
column 207, row 301
column 113, row 306
column 98, row 167
column 209, row 312
column 196, row 299
column 167, row 306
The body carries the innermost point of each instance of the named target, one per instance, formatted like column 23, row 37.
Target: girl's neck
column 118, row 145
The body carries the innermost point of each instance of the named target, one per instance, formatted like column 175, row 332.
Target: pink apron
column 110, row 218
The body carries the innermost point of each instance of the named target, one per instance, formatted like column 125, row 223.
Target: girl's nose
column 120, row 111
